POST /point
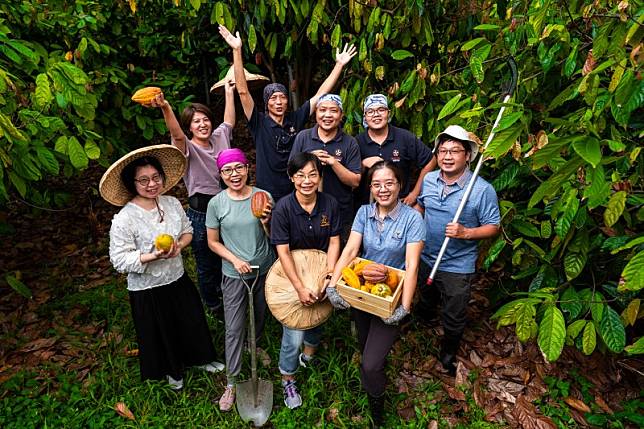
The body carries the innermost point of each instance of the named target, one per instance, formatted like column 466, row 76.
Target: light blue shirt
column 440, row 202
column 385, row 241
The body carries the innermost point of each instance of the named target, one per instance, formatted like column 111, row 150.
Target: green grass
column 54, row 396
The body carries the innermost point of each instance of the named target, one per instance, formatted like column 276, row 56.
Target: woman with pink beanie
column 239, row 238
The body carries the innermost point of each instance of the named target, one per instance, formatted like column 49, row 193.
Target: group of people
column 328, row 191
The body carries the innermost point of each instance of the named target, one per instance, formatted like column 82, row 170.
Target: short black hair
column 189, row 112
column 385, row 164
column 129, row 171
column 300, row 160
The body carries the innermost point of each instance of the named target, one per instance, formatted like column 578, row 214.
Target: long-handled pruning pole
column 475, row 173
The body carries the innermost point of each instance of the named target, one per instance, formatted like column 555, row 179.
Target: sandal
column 227, row 399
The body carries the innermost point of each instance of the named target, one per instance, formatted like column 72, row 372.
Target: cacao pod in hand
column 375, row 273
column 146, row 95
column 258, row 204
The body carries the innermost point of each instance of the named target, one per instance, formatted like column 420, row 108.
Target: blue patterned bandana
column 271, row 89
column 333, row 98
column 371, row 102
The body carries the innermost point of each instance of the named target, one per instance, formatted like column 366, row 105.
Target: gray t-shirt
column 202, row 174
column 240, row 231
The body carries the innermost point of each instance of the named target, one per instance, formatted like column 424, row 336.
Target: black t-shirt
column 292, row 225
column 273, row 143
column 401, row 147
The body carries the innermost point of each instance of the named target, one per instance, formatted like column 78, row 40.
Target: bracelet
column 328, row 276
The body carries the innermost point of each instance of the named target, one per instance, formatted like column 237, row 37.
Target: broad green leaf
column 252, row 38
column 589, row 150
column 19, row 183
column 525, row 228
column 568, row 215
column 77, row 155
column 336, row 36
column 476, row 62
column 525, row 319
column 473, row 43
column 597, row 305
column 633, row 274
column 546, row 229
column 637, row 348
column 599, row 189
column 507, row 314
column 18, row 286
column 570, row 303
column 548, row 188
column 571, row 62
column 508, row 120
column 47, row 159
column 487, row 27
column 507, row 178
column 632, row 243
column 614, row 208
column 362, row 52
column 92, row 150
column 9, row 129
column 631, row 311
column 494, row 252
column 401, row 54
column 617, row 75
column 61, row 145
column 612, row 331
column 574, row 329
column 449, row 107
column 552, row 333
column 546, row 278
column 503, row 141
column 573, row 264
column 42, row 94
column 589, row 339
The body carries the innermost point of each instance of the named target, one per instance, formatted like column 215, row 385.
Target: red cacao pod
column 375, row 273
column 258, row 203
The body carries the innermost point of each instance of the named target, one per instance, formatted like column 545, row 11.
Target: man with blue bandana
column 382, row 141
column 339, row 154
column 274, row 130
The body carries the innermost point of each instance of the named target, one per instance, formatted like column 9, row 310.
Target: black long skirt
column 171, row 329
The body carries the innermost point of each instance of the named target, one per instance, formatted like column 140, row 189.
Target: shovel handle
column 251, row 330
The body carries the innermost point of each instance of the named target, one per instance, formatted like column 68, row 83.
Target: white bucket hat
column 459, row 133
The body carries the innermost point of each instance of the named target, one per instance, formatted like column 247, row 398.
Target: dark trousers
column 208, row 262
column 453, row 291
column 375, row 339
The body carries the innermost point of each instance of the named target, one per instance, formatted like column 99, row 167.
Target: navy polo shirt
column 273, row 143
column 343, row 148
column 401, row 147
column 292, row 225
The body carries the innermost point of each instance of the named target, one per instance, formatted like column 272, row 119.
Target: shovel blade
column 256, row 409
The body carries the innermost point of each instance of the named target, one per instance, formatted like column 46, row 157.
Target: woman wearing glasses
column 389, row 233
column 305, row 219
column 170, row 323
column 239, row 239
column 195, row 135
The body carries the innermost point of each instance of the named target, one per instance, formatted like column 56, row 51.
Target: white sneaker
column 212, row 367
column 175, row 384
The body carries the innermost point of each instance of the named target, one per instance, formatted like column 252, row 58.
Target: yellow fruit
column 350, row 278
column 381, row 290
column 163, row 242
column 146, row 95
column 365, row 288
column 392, row 279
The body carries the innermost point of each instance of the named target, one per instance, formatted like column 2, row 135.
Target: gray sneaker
column 292, row 399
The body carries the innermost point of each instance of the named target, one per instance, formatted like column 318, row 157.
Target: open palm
column 234, row 42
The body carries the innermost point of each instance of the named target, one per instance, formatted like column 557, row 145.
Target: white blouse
column 133, row 232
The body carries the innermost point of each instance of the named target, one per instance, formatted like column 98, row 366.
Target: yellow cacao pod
column 359, row 266
column 146, row 95
column 350, row 277
column 163, row 242
column 381, row 290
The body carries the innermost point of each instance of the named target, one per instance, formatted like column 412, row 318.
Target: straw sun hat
column 253, row 80
column 172, row 160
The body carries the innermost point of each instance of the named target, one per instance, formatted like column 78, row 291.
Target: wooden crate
column 376, row 305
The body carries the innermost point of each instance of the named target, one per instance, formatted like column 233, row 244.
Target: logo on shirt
column 291, row 130
column 397, row 235
column 324, row 222
column 395, row 156
column 338, row 155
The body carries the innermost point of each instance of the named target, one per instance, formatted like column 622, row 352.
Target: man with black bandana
column 274, row 130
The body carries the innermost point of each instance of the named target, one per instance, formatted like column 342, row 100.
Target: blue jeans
column 292, row 339
column 208, row 262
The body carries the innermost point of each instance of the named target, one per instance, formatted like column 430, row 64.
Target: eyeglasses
column 386, row 185
column 443, row 152
column 145, row 181
column 381, row 111
column 228, row 171
column 299, row 177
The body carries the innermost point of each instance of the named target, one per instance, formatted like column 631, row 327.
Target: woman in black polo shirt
column 304, row 219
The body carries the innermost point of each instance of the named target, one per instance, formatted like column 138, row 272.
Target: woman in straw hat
column 201, row 144
column 170, row 324
column 239, row 239
column 304, row 219
column 391, row 233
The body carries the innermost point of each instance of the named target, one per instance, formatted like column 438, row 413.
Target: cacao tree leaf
column 336, row 36
column 614, row 208
column 589, row 150
column 597, row 305
column 525, row 319
column 612, row 331
column 503, row 141
column 568, row 215
column 473, row 43
column 552, row 333
column 631, row 311
column 637, row 348
column 525, row 228
column 18, row 286
column 508, row 178
column 362, row 52
column 476, row 62
column 449, row 107
column 617, row 75
column 573, row 330
column 571, row 62
column 61, row 145
column 508, row 120
column 18, row 183
column 507, row 314
column 633, row 274
column 546, row 278
column 589, row 339
column 546, row 229
column 570, row 303
column 494, row 252
column 252, row 38
column 487, row 27
column 401, row 54
column 92, row 150
column 599, row 189
column 42, row 96
column 628, row 245
column 47, row 159
column 550, row 186
column 76, row 153
column 573, row 264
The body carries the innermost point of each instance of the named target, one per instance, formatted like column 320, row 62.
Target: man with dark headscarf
column 274, row 130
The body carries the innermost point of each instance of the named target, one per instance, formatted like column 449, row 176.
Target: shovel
column 254, row 396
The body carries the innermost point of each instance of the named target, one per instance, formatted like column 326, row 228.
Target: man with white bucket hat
column 440, row 196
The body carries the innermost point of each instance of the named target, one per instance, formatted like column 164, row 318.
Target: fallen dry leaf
column 526, row 415
column 603, row 405
column 432, row 425
column 577, row 404
column 123, row 410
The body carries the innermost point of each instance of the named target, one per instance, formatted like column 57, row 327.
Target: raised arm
column 341, row 59
column 229, row 111
column 235, row 43
column 176, row 132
